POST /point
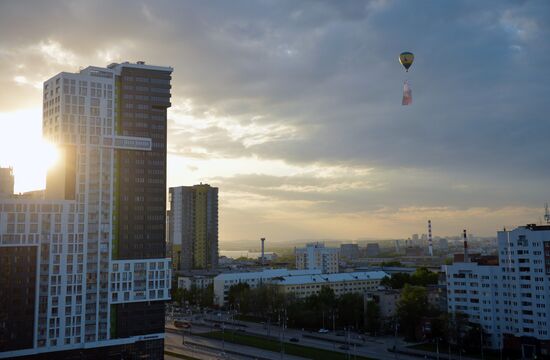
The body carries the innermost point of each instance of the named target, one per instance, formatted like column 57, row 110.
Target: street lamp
column 283, row 323
column 395, row 339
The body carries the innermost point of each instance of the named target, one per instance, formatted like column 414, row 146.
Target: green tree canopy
column 412, row 307
column 372, row 318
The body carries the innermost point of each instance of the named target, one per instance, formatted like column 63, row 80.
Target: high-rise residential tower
column 315, row 256
column 92, row 276
column 194, row 225
column 509, row 299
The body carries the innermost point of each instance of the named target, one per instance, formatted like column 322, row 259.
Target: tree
column 177, row 295
column 423, row 277
column 472, row 337
column 238, row 297
column 372, row 318
column 396, row 281
column 265, row 299
column 205, row 296
column 351, row 310
column 412, row 307
column 457, row 327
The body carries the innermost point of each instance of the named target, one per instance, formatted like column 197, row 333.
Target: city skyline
column 293, row 110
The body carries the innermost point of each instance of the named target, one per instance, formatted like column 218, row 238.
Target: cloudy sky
column 293, row 108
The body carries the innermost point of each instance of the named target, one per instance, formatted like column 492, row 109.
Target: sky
column 293, row 108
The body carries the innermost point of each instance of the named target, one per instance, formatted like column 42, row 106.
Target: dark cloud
column 322, row 81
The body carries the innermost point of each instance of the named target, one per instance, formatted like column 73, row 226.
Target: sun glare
column 23, row 148
column 48, row 154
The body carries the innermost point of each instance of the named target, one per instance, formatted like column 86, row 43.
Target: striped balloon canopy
column 406, row 59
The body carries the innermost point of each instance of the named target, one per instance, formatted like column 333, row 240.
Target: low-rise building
column 224, row 281
column 197, row 282
column 387, row 301
column 301, row 283
column 341, row 283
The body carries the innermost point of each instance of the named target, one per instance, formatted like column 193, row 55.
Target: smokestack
column 263, row 252
column 465, row 238
column 430, row 245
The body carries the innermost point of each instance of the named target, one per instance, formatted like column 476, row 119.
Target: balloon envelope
column 406, row 59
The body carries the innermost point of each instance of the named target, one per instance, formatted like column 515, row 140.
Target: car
column 293, row 339
column 343, row 347
column 217, row 326
column 323, row 331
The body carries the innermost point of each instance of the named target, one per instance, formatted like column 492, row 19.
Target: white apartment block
column 195, row 281
column 303, row 286
column 224, row 281
column 315, row 256
column 301, row 283
column 510, row 300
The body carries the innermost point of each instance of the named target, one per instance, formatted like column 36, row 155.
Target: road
column 203, row 348
column 369, row 347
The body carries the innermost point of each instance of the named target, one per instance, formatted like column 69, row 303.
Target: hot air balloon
column 406, row 59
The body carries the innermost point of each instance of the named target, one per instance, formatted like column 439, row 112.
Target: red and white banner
column 407, row 94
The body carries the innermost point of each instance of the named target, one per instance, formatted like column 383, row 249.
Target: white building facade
column 224, row 281
column 510, row 300
column 301, row 283
column 316, row 256
column 303, row 286
column 195, row 281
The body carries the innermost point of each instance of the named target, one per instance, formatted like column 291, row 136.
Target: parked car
column 293, row 339
column 182, row 324
column 323, row 331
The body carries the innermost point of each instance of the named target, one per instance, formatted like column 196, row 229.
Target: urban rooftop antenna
column 430, row 245
column 262, row 259
column 465, row 241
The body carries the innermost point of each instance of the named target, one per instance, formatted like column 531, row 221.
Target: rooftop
column 265, row 274
column 329, row 278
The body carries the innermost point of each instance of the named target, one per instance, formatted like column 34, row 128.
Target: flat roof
column 329, row 278
column 265, row 274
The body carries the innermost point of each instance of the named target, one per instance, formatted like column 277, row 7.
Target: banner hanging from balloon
column 407, row 94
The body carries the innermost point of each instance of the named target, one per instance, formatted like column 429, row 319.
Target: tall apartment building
column 85, row 267
column 510, row 300
column 315, row 256
column 350, row 251
column 6, row 182
column 194, row 226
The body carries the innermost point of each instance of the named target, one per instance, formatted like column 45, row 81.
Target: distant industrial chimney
column 465, row 238
column 430, row 245
column 262, row 259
